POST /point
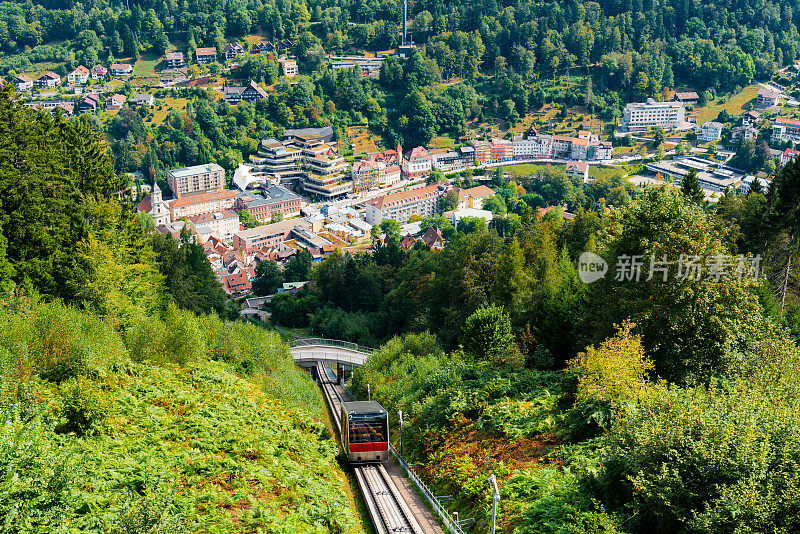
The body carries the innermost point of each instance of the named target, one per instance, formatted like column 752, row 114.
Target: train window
column 366, row 429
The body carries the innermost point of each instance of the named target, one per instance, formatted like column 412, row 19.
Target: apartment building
column 400, row 206
column 638, row 116
column 22, row 83
column 273, row 199
column 175, row 60
column 306, row 160
column 48, row 80
column 79, row 76
column 377, row 171
column 247, row 93
column 269, row 235
column 473, row 197
column 710, row 131
column 206, row 55
column 786, row 129
column 447, row 161
column 192, row 205
column 204, row 178
column 232, row 51
column 289, row 67
column 416, row 164
column 493, row 151
column 220, row 224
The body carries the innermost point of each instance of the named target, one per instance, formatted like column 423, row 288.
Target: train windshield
column 368, row 428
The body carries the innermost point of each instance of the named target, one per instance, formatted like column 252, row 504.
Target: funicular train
column 365, row 431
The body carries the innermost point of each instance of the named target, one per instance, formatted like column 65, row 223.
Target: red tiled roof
column 400, row 197
column 145, row 205
column 416, row 153
column 784, row 120
column 476, row 192
column 208, row 51
column 81, row 69
column 205, row 197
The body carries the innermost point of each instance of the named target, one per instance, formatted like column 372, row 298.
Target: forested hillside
column 499, row 60
column 128, row 404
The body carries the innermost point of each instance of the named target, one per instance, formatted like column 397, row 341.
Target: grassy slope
column 230, row 441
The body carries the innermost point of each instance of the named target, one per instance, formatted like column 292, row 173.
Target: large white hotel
column 638, row 116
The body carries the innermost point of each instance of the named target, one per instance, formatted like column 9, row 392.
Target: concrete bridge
column 345, row 355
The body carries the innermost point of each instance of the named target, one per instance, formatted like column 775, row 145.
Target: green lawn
column 733, row 105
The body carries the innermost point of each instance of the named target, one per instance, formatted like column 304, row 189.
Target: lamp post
column 495, row 499
column 369, row 393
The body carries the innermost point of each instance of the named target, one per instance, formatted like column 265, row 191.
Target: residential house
column 206, row 55
column 198, row 204
column 143, row 99
column 767, row 98
column 639, row 115
column 289, row 67
column 238, row 282
column 788, row 155
column 248, row 93
column 473, row 197
column 48, row 80
column 175, row 60
column 408, row 242
column 751, row 118
column 79, row 76
column 22, row 83
column 743, row 132
column 99, row 72
column 232, row 51
column 272, row 199
column 120, row 69
column 688, row 99
column 578, row 169
column 416, row 164
column 89, row 103
column 115, row 101
column 205, row 178
column 710, row 131
column 433, row 238
column 400, row 206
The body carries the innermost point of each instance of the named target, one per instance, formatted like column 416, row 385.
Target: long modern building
column 712, row 175
column 199, row 179
column 269, row 235
column 400, row 206
column 198, row 204
column 638, row 116
column 786, row 129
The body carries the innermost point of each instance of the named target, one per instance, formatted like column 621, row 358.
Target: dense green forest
column 127, row 404
column 507, row 54
column 653, row 405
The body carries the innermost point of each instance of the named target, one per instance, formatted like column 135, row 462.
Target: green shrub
column 82, row 404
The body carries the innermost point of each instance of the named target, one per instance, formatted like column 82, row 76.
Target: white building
column 289, row 67
column 220, row 224
column 578, row 169
column 79, row 76
column 416, row 164
column 154, row 205
column 400, row 206
column 638, row 116
column 710, row 131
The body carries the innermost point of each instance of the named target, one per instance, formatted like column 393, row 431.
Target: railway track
column 389, row 512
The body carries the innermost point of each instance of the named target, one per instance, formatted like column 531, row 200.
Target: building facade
column 785, row 129
column 220, row 224
column 400, row 206
column 269, row 235
column 416, row 164
column 197, row 179
column 638, row 116
column 273, row 199
column 204, row 203
column 79, row 76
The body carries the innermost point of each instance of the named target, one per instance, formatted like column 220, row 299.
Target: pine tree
column 690, row 186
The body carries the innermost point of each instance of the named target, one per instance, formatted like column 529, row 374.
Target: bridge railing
column 306, row 341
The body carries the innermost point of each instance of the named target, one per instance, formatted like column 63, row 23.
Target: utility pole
column 369, row 393
column 400, row 414
column 495, row 500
